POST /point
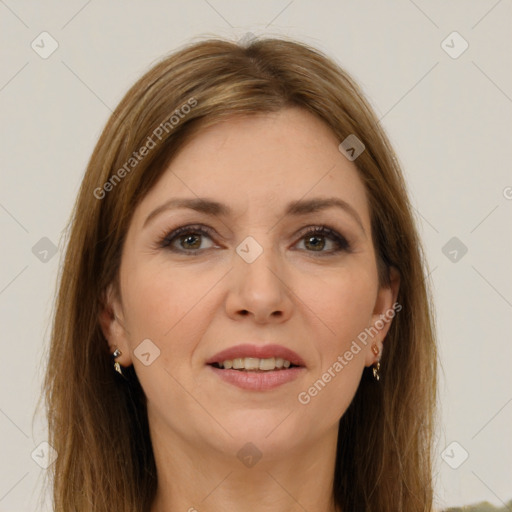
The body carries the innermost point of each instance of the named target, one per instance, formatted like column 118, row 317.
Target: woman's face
column 247, row 272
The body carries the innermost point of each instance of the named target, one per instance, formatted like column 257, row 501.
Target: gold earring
column 376, row 372
column 376, row 368
column 117, row 366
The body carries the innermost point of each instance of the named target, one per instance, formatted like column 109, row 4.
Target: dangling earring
column 376, row 368
column 376, row 371
column 117, row 366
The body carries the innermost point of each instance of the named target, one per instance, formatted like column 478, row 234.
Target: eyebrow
column 294, row 208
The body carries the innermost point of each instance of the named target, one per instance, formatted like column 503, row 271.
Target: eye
column 315, row 238
column 188, row 240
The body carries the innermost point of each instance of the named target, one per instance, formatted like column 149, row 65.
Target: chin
column 274, row 429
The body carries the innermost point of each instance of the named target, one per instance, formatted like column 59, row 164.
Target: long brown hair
column 97, row 421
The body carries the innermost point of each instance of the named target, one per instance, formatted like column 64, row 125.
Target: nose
column 259, row 289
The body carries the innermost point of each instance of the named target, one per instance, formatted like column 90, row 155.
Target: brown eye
column 316, row 242
column 186, row 239
column 191, row 241
column 317, row 238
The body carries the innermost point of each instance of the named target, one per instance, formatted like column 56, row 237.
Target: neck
column 193, row 476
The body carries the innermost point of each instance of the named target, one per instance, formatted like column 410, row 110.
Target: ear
column 384, row 311
column 111, row 321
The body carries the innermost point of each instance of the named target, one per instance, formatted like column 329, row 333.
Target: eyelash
column 165, row 240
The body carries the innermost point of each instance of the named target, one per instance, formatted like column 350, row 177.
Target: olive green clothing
column 484, row 506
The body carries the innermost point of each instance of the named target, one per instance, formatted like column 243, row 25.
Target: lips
column 257, row 351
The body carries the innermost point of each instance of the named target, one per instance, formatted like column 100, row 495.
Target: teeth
column 254, row 363
column 251, row 363
column 267, row 364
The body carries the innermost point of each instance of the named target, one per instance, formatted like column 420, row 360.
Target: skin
column 315, row 302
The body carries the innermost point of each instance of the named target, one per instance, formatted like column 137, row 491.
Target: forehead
column 261, row 162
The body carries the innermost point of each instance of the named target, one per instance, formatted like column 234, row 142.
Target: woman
column 243, row 321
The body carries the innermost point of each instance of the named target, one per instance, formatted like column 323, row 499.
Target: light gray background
column 449, row 120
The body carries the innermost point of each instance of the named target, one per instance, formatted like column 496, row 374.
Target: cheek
column 343, row 301
column 165, row 305
column 344, row 304
column 161, row 304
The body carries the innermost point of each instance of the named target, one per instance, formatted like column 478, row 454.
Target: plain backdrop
column 446, row 108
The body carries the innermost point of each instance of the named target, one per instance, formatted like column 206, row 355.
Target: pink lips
column 259, row 351
column 262, row 380
column 258, row 381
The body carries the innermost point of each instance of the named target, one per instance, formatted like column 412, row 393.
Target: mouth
column 255, row 364
column 257, row 367
column 256, row 357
